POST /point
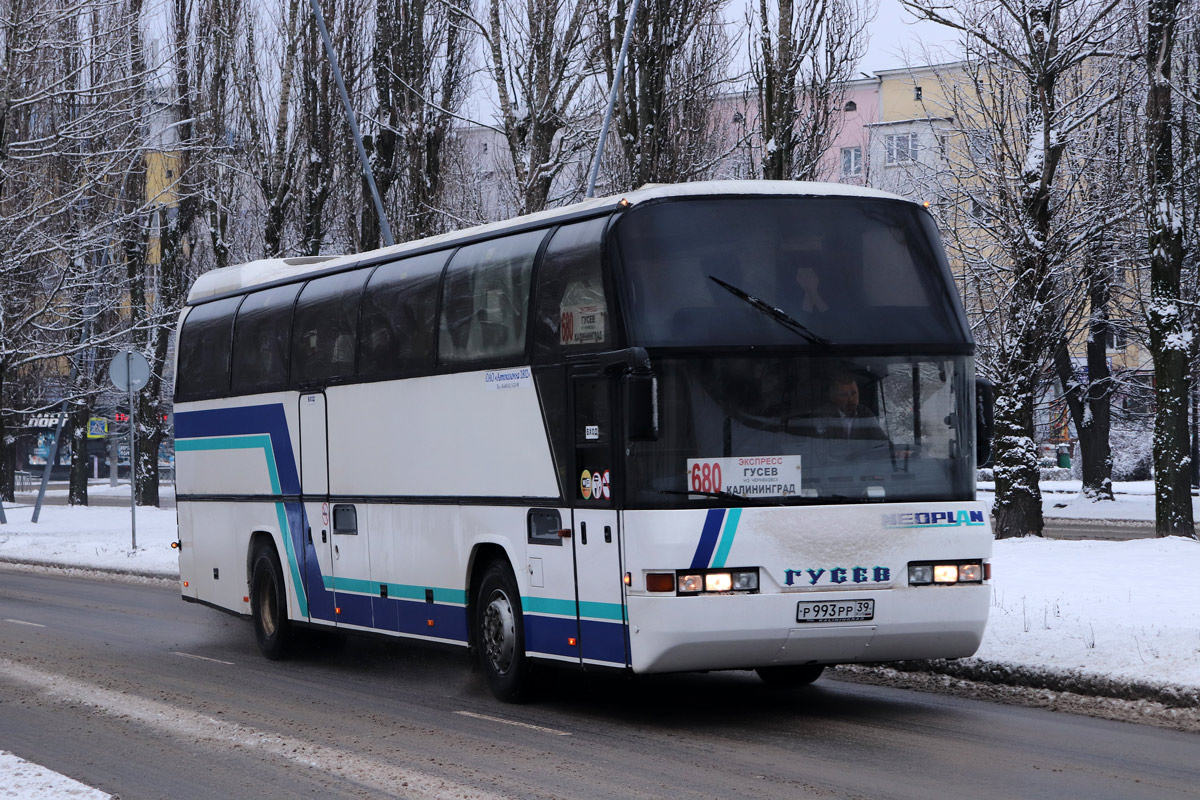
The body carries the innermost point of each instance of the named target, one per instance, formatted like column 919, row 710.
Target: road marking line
column 23, row 622
column 513, row 722
column 379, row 774
column 202, row 658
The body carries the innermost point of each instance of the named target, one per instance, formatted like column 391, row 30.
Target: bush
column 1132, row 453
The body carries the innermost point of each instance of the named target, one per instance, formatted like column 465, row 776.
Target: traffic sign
column 129, row 371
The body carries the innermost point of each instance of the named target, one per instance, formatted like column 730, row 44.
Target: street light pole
column 612, row 98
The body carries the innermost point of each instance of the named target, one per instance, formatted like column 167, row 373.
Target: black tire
column 500, row 634
column 790, row 676
column 268, row 605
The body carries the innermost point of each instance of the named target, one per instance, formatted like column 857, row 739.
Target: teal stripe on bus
column 731, row 524
column 566, row 608
column 395, row 591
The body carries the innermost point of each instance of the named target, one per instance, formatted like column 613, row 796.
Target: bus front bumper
column 713, row 632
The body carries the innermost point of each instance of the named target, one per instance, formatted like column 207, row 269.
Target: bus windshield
column 799, row 429
column 786, row 271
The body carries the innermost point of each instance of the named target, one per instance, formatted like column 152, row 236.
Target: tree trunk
column 1169, row 331
column 8, row 452
column 149, row 436
column 77, row 494
column 1018, row 508
column 1090, row 401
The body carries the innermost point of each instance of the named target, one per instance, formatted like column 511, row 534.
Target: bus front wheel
column 268, row 605
column 794, row 675
column 500, row 634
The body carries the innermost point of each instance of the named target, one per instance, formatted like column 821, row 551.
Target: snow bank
column 24, row 779
column 92, row 537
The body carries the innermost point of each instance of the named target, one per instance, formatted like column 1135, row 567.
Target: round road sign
column 129, row 371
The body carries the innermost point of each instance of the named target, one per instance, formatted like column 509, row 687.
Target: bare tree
column 538, row 55
column 1168, row 321
column 68, row 126
column 804, row 57
column 665, row 126
column 420, row 64
column 1028, row 48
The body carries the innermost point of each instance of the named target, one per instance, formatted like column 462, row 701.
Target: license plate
column 835, row 610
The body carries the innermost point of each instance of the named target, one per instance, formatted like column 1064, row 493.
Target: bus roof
column 239, row 278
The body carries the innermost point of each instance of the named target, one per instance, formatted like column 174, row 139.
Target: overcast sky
column 897, row 39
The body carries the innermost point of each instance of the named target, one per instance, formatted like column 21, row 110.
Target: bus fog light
column 745, row 581
column 691, row 584
column 945, row 573
column 718, row 582
column 920, row 574
column 970, row 573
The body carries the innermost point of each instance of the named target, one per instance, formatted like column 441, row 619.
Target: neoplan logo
column 933, row 519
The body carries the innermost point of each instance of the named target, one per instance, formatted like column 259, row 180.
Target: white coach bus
column 700, row 427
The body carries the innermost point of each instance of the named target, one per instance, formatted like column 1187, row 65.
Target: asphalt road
column 128, row 689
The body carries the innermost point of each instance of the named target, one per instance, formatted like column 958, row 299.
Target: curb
column 1090, row 685
column 53, row 566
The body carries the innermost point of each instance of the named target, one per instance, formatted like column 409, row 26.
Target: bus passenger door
column 314, row 487
column 596, row 533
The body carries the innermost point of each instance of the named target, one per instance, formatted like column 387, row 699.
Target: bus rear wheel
column 793, row 675
column 268, row 605
column 500, row 634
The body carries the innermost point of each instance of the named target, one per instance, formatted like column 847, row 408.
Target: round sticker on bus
column 585, row 484
column 604, row 487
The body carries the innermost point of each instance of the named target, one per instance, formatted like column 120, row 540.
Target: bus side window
column 204, row 346
column 486, row 300
column 325, row 328
column 571, row 315
column 261, row 340
column 399, row 317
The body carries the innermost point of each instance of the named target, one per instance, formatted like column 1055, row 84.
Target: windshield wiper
column 730, row 497
column 778, row 314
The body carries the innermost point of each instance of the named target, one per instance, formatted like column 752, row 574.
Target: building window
column 851, row 105
column 900, row 148
column 916, row 93
column 982, row 212
column 979, row 144
column 1116, row 339
column 851, row 162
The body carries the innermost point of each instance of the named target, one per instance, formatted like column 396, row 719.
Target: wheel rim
column 499, row 632
column 266, row 605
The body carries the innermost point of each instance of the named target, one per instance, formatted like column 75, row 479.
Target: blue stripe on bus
column 550, row 635
column 602, row 641
column 268, row 418
column 708, row 538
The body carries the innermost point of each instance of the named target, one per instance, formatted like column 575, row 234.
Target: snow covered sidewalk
column 1093, row 612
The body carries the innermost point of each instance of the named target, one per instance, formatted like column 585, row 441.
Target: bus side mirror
column 641, row 406
column 985, row 421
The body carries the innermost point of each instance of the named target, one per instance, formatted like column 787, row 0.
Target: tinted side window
column 399, row 317
column 204, row 345
column 325, row 329
column 572, row 312
column 261, row 336
column 486, row 300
